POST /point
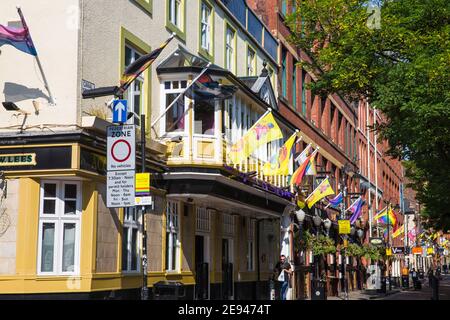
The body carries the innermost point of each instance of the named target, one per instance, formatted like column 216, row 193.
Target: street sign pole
column 344, row 195
column 144, row 293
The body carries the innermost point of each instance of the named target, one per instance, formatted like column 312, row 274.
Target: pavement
column 402, row 294
column 364, row 295
column 425, row 293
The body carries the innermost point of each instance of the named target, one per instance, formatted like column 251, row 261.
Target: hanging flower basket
column 355, row 250
column 320, row 245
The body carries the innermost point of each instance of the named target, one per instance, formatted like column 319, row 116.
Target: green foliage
column 371, row 252
column 319, row 245
column 402, row 66
column 355, row 250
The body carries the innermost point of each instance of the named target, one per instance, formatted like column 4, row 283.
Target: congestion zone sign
column 121, row 148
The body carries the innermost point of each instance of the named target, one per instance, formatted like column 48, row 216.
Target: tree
column 401, row 63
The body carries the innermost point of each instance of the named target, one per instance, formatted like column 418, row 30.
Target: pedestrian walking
column 415, row 277
column 283, row 271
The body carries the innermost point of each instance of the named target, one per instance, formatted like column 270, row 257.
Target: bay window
column 131, row 240
column 175, row 116
column 59, row 228
column 172, row 236
column 204, row 117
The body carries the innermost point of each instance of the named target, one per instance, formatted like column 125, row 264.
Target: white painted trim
column 59, row 219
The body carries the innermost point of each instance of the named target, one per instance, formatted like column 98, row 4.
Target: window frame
column 294, row 83
column 284, row 54
column 147, row 5
column 271, row 71
column 284, row 9
column 254, row 62
column 228, row 26
column 179, row 30
column 164, row 92
column 208, row 54
column 59, row 219
column 131, row 91
column 132, row 224
column 304, row 93
column 169, row 265
column 128, row 38
column 216, row 108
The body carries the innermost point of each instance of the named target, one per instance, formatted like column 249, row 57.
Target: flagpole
column 22, row 18
column 181, row 93
column 309, row 145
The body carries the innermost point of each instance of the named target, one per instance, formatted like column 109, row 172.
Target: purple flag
column 355, row 208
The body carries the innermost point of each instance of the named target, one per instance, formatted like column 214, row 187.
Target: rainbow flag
column 398, row 232
column 19, row 38
column 311, row 168
column 297, row 176
column 279, row 162
column 140, row 65
column 262, row 132
column 323, row 189
column 386, row 215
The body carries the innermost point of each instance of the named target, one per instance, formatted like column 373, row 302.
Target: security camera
column 99, row 92
column 176, row 139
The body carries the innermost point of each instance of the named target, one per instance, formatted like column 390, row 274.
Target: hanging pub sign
column 376, row 241
column 398, row 250
column 21, row 159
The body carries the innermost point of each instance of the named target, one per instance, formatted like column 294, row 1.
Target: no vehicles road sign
column 121, row 147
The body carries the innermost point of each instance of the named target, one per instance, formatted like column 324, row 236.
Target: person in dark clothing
column 430, row 275
column 415, row 278
column 283, row 272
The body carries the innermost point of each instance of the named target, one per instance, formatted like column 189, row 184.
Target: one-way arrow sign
column 119, row 111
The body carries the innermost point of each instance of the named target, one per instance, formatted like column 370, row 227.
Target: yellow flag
column 262, row 132
column 279, row 163
column 301, row 200
column 323, row 189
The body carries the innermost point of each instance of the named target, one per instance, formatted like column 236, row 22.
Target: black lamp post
column 317, row 222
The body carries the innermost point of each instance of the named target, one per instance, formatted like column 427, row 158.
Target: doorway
column 201, row 267
column 227, row 269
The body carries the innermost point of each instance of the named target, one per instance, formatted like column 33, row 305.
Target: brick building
column 337, row 126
